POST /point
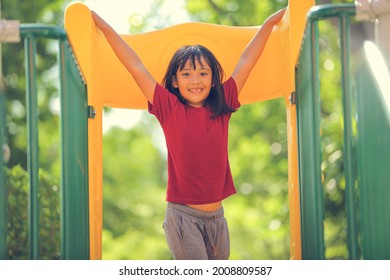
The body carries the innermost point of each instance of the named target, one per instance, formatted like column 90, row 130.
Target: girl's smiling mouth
column 195, row 90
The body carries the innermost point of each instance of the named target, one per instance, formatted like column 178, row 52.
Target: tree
column 49, row 12
column 45, row 12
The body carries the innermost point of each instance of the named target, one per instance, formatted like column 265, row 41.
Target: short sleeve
column 164, row 103
column 231, row 93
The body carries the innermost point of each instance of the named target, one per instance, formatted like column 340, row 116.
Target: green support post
column 349, row 145
column 33, row 147
column 3, row 194
column 308, row 113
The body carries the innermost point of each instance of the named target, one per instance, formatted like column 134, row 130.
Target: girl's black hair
column 216, row 99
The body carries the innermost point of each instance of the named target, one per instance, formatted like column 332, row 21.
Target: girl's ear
column 175, row 84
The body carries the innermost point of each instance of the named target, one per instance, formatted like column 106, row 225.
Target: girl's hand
column 128, row 57
column 276, row 17
column 254, row 49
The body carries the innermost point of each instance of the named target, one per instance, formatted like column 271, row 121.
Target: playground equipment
column 74, row 179
column 366, row 131
column 107, row 80
column 284, row 56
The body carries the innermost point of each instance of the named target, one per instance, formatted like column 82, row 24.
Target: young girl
column 193, row 106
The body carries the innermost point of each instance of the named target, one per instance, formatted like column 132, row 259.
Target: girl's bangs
column 193, row 55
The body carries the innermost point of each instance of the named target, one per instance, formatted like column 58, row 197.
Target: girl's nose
column 195, row 79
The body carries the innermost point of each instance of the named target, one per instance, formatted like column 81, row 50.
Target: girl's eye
column 185, row 74
column 204, row 74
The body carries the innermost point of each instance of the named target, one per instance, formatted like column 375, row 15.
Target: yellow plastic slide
column 109, row 84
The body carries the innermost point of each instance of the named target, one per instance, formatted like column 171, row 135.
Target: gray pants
column 196, row 235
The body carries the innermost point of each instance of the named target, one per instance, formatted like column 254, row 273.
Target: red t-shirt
column 198, row 164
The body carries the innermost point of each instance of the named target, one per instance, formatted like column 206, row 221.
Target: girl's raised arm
column 128, row 57
column 254, row 49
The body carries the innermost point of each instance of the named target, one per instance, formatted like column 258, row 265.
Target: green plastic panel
column 366, row 152
column 373, row 154
column 74, row 149
column 74, row 218
column 309, row 132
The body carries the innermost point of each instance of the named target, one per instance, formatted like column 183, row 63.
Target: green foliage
column 134, row 194
column 16, row 189
column 258, row 156
column 17, row 213
column 39, row 11
column 233, row 12
column 332, row 143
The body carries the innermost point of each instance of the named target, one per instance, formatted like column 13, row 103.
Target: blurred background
column 134, row 150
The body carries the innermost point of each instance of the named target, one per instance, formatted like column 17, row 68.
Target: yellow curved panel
column 109, row 84
column 117, row 88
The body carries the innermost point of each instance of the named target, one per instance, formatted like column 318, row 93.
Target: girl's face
column 194, row 82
